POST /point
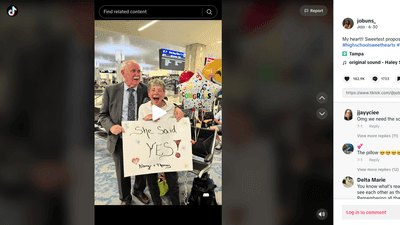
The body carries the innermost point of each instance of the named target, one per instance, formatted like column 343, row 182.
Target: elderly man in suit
column 121, row 103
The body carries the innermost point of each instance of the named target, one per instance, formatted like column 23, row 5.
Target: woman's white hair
column 156, row 82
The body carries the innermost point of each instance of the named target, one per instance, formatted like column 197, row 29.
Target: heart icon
column 347, row 78
column 135, row 160
column 359, row 146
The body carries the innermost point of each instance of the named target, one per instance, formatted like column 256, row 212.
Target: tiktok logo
column 12, row 11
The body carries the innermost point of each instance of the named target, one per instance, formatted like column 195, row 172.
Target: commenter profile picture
column 348, row 114
column 348, row 182
column 348, row 148
column 348, row 23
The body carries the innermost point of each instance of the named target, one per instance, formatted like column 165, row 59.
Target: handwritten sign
column 156, row 147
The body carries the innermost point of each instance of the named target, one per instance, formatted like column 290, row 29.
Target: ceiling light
column 144, row 27
column 219, row 41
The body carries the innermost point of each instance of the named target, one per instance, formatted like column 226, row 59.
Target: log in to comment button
column 371, row 212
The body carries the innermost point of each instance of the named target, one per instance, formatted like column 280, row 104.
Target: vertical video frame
column 183, row 58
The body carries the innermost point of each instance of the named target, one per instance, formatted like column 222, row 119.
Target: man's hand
column 178, row 114
column 116, row 129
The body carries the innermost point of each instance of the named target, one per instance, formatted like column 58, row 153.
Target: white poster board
column 156, row 147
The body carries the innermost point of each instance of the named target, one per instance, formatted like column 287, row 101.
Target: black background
column 277, row 156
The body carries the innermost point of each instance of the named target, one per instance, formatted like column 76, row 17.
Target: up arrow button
column 322, row 97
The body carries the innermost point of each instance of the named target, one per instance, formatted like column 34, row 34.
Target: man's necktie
column 131, row 105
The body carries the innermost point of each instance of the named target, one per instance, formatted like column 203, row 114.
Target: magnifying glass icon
column 208, row 11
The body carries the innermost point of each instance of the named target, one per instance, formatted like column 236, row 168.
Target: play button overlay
column 157, row 112
column 322, row 214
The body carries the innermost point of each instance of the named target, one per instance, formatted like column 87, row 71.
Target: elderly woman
column 156, row 92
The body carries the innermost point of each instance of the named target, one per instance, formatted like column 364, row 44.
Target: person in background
column 206, row 120
column 218, row 121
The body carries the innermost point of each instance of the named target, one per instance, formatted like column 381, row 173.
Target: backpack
column 202, row 191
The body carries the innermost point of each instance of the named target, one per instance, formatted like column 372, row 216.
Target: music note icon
column 12, row 11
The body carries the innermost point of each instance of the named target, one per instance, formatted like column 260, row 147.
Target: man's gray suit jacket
column 111, row 109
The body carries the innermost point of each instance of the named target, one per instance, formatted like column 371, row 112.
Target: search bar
column 158, row 12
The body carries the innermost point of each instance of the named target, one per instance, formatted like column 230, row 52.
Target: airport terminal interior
column 164, row 50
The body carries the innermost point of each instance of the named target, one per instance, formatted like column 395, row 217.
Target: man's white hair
column 127, row 62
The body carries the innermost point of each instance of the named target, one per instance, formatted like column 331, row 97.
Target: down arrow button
column 322, row 113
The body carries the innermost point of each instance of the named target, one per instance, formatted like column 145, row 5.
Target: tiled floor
column 106, row 187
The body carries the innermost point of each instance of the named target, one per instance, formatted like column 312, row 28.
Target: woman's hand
column 162, row 177
column 150, row 117
column 178, row 114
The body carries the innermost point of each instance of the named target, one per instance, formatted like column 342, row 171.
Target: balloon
column 213, row 71
column 198, row 92
column 185, row 76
